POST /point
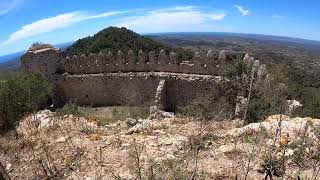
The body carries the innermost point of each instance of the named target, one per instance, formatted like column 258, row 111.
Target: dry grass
column 77, row 148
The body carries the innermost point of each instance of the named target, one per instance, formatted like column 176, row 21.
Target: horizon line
column 195, row 32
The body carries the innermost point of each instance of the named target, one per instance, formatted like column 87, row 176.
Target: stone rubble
column 82, row 149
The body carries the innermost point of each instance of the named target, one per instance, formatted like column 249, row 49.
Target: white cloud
column 242, row 10
column 7, row 6
column 173, row 9
column 182, row 18
column 277, row 16
column 53, row 23
column 218, row 16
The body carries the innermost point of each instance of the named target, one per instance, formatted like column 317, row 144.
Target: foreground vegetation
column 106, row 114
column 268, row 96
column 21, row 94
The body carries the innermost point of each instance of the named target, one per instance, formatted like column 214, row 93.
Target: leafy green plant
column 121, row 113
column 271, row 167
column 114, row 39
column 269, row 96
column 71, row 108
column 311, row 103
column 20, row 94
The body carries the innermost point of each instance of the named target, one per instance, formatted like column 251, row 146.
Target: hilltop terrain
column 134, row 138
column 114, row 39
column 49, row 145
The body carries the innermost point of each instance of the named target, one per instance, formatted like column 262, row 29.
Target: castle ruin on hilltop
column 144, row 79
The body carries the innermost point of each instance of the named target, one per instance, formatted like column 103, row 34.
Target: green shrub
column 269, row 97
column 20, row 94
column 198, row 108
column 311, row 103
column 71, row 108
column 123, row 112
column 207, row 106
column 271, row 166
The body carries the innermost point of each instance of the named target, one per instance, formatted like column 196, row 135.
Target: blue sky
column 23, row 22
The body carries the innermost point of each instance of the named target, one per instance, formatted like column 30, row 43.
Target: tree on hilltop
column 114, row 39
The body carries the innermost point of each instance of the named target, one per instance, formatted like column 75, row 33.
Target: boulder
column 159, row 114
column 40, row 120
column 131, row 121
column 292, row 105
column 222, row 56
column 291, row 127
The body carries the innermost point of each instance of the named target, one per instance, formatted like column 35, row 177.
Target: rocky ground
column 47, row 145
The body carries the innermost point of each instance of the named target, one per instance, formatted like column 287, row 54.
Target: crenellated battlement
column 144, row 62
column 133, row 79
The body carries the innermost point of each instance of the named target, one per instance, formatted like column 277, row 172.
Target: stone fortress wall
column 104, row 80
column 136, row 89
column 146, row 62
column 47, row 61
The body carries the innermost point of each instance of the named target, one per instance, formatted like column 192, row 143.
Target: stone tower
column 46, row 60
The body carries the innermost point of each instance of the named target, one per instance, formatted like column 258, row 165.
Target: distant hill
column 10, row 62
column 218, row 35
column 10, row 57
column 13, row 65
column 301, row 56
column 114, row 39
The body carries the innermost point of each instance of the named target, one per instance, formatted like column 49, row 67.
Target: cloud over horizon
column 179, row 18
column 53, row 23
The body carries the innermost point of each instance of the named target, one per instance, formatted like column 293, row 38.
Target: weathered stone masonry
column 135, row 89
column 100, row 79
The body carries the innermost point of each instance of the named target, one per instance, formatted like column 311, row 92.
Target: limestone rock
column 262, row 72
column 42, row 119
column 159, row 114
column 251, row 60
column 226, row 148
column 222, row 55
column 153, row 109
column 122, row 124
column 61, row 139
column 246, row 58
column 256, row 65
column 131, row 121
column 292, row 105
column 291, row 126
column 241, row 103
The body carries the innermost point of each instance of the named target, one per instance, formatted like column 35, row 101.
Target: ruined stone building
column 144, row 79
